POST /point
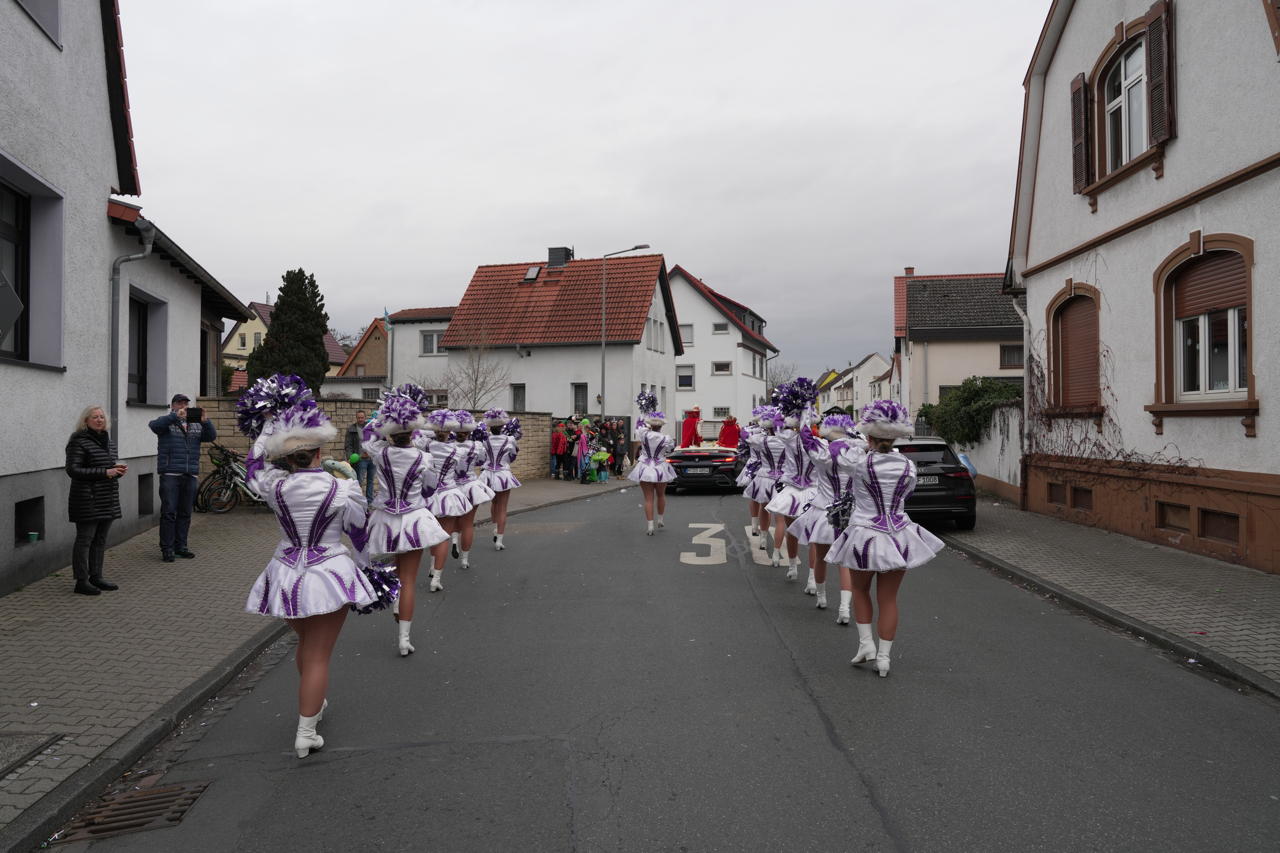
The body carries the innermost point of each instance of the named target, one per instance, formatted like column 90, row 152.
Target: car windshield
column 929, row 454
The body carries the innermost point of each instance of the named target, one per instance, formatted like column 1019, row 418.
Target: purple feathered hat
column 301, row 427
column 837, row 423
column 495, row 418
column 397, row 413
column 885, row 419
column 267, row 398
column 466, row 422
column 417, row 394
column 442, row 420
column 769, row 417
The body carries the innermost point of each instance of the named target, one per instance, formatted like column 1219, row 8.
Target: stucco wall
column 998, row 456
column 938, row 363
column 733, row 391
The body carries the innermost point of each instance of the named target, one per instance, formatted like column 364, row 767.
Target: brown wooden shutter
column 1212, row 283
column 1078, row 344
column 1081, row 160
column 1160, row 71
column 1273, row 19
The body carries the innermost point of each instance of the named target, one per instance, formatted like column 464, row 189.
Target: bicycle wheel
column 223, row 497
column 202, row 493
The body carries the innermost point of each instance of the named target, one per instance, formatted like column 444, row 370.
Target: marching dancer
column 881, row 541
column 748, row 472
column 455, row 455
column 311, row 580
column 400, row 525
column 500, row 450
column 652, row 470
column 772, row 450
column 796, row 486
column 833, row 455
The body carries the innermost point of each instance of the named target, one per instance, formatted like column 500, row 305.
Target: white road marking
column 708, row 537
column 760, row 555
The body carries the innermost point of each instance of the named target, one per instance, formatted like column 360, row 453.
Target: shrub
column 963, row 417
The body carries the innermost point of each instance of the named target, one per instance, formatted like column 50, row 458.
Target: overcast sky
column 793, row 155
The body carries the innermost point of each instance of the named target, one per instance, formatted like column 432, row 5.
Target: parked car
column 710, row 467
column 944, row 486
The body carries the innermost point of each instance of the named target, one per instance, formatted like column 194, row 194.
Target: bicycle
column 225, row 486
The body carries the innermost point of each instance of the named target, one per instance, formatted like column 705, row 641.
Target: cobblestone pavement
column 87, row 671
column 1230, row 612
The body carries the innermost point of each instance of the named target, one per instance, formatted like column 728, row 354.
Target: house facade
column 247, row 335
column 722, row 369
column 852, row 388
column 98, row 306
column 416, row 351
column 1144, row 236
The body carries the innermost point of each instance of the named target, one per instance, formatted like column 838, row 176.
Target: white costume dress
column 400, row 520
column 499, row 452
column 772, row 450
column 798, row 487
column 458, row 491
column 881, row 537
column 753, row 457
column 651, row 461
column 311, row 572
column 833, row 464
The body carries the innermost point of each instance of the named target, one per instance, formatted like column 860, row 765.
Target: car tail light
column 964, row 475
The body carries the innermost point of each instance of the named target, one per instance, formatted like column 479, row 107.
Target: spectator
column 353, row 444
column 94, row 500
column 178, row 463
column 559, row 450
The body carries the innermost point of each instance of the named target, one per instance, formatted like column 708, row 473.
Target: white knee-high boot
column 882, row 658
column 866, row 645
column 842, row 615
column 402, row 640
column 306, row 739
column 436, row 585
column 811, row 585
column 497, row 542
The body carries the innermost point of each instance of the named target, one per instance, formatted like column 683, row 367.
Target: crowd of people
column 588, row 450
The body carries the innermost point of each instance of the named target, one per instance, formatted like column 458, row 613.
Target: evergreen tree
column 295, row 339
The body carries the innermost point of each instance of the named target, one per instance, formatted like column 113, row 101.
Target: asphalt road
column 586, row 690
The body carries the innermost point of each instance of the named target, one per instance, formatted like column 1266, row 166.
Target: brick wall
column 531, row 464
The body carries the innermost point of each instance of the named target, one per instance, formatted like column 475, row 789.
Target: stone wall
column 531, row 464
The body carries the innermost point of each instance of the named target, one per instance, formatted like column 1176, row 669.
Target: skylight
column 531, row 274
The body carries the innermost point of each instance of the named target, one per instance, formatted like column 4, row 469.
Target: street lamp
column 604, row 264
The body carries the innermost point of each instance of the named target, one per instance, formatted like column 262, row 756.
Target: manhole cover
column 136, row 811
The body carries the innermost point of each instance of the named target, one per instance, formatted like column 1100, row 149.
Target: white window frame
column 689, row 340
column 1135, row 82
column 1234, row 390
column 719, row 328
column 728, row 371
column 692, row 374
column 435, row 343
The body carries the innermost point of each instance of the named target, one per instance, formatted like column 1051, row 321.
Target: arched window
column 1074, row 349
column 1124, row 97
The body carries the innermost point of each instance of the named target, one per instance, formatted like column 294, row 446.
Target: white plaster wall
column 940, row 363
column 862, row 378
column 733, row 391
column 999, row 453
column 1225, row 84
column 408, row 364
column 1123, row 269
column 55, row 124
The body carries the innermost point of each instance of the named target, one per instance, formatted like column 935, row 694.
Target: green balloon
column 355, row 457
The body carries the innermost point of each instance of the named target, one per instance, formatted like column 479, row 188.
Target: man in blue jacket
column 178, row 464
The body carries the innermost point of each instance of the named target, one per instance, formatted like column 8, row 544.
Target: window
column 359, row 370
column 138, row 335
column 1210, row 297
column 14, row 292
column 578, row 393
column 243, row 343
column 686, row 334
column 431, row 343
column 721, row 368
column 441, row 399
column 1010, row 356
column 719, row 328
column 684, row 377
column 1124, row 98
column 720, row 412
column 1074, row 348
column 257, row 339
column 369, row 394
column 517, row 397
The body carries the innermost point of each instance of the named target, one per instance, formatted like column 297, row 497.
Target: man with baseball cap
column 178, row 464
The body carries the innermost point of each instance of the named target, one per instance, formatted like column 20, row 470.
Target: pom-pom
column 647, row 402
column 885, row 419
column 417, row 394
column 386, row 588
column 512, row 428
column 480, row 433
column 794, row 397
column 265, row 399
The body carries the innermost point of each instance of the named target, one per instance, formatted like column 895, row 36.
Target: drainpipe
column 147, row 232
column 1026, row 404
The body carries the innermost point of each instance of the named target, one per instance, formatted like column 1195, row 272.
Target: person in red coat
column 689, row 436
column 559, row 451
column 729, row 433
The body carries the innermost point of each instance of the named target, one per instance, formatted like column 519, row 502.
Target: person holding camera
column 94, row 499
column 180, row 434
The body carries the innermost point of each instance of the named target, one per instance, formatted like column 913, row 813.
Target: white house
column 722, row 370
column 527, row 336
column 417, row 352
column 1145, row 238
column 852, row 387
column 97, row 305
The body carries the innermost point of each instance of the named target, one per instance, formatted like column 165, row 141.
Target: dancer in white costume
column 833, row 455
column 881, row 541
column 311, row 579
column 652, row 470
column 401, row 526
column 500, row 450
column 748, row 472
column 772, row 450
column 455, row 456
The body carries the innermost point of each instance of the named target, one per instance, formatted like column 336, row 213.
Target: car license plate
column 929, row 480
column 708, row 471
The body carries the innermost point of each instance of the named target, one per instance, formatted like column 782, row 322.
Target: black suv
column 944, row 486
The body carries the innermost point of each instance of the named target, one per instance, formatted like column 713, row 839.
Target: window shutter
column 1211, row 283
column 1273, row 19
column 1078, row 343
column 1081, row 161
column 1160, row 72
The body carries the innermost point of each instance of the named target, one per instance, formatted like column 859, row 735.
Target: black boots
column 86, row 588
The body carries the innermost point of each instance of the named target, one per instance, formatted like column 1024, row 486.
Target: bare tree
column 779, row 372
column 472, row 379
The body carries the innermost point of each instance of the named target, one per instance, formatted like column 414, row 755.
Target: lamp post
column 604, row 265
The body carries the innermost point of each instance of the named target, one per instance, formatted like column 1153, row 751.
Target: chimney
column 558, row 256
column 909, row 271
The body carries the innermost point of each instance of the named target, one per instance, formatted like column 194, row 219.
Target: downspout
column 147, row 232
column 1026, row 404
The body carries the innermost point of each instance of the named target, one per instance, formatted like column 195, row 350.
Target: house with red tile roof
column 722, row 370
column 364, row 374
column 536, row 328
column 247, row 335
column 414, row 349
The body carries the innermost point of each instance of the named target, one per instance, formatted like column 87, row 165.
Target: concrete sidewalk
column 89, row 684
column 1224, row 616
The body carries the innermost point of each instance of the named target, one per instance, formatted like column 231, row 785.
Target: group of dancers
column 435, row 467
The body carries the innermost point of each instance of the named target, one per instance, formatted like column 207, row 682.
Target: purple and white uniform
column 400, row 520
column 833, row 464
column 311, row 572
column 772, row 450
column 797, row 485
column 495, row 472
column 651, row 462
column 458, row 491
column 753, row 457
column 881, row 537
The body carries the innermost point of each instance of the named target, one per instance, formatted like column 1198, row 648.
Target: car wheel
column 968, row 522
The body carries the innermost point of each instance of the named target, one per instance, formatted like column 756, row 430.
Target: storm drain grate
column 136, row 811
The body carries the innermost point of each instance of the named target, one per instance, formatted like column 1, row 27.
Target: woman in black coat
column 94, row 501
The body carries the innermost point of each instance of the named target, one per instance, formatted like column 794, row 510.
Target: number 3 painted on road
column 709, row 538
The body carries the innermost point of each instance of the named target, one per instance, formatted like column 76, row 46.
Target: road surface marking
column 709, row 538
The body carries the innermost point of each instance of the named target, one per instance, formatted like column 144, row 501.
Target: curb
column 31, row 828
column 1210, row 659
